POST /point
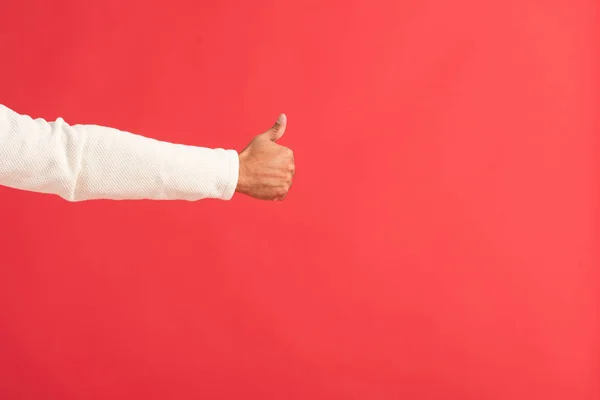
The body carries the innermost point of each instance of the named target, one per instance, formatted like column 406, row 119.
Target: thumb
column 277, row 131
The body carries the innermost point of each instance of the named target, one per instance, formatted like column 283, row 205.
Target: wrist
column 241, row 183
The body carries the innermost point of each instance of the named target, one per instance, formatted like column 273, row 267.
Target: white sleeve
column 85, row 162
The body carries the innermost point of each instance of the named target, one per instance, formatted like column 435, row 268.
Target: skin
column 267, row 168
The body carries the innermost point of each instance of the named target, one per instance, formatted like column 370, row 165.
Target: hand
column 267, row 168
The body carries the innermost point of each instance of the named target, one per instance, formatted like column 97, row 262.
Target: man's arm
column 85, row 162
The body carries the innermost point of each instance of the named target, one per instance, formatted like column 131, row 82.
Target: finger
column 277, row 131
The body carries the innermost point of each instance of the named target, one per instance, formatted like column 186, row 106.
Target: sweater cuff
column 232, row 176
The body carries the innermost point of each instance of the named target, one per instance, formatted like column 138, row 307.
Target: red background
column 439, row 241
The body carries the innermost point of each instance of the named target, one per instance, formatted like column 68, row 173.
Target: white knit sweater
column 85, row 162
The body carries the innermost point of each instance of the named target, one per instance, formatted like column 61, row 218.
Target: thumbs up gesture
column 267, row 168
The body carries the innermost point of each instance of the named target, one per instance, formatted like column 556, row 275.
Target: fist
column 267, row 168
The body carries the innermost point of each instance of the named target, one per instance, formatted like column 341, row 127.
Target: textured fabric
column 84, row 162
